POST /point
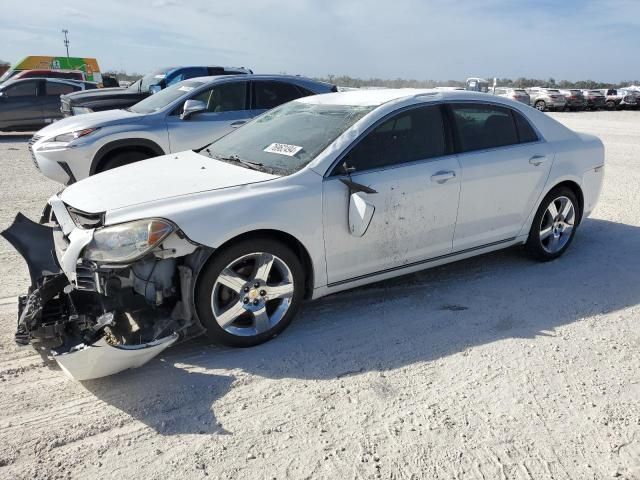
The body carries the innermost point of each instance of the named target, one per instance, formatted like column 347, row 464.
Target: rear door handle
column 443, row 176
column 537, row 160
column 238, row 123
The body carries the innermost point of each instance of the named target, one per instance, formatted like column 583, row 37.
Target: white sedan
column 319, row 195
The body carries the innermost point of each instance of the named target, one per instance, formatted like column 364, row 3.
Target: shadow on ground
column 388, row 325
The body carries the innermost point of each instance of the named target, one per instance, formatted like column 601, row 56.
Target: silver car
column 547, row 98
column 185, row 116
column 517, row 94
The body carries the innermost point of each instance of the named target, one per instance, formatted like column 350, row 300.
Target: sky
column 416, row 39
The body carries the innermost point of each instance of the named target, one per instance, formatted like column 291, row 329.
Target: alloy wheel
column 252, row 294
column 557, row 224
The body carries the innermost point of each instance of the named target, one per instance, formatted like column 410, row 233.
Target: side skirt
column 416, row 266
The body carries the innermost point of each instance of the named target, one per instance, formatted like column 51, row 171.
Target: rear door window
column 526, row 133
column 226, row 97
column 22, row 89
column 416, row 134
column 57, row 88
column 481, row 126
column 268, row 94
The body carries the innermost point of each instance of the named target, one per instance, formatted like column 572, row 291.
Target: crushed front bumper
column 89, row 334
column 100, row 359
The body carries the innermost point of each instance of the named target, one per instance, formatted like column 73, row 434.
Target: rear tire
column 249, row 292
column 540, row 105
column 122, row 159
column 611, row 105
column 554, row 225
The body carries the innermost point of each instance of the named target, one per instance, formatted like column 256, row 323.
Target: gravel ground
column 490, row 368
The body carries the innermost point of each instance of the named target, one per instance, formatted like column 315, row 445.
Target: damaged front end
column 105, row 299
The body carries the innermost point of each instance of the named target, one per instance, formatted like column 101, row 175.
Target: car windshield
column 6, row 75
column 135, row 86
column 288, row 137
column 152, row 79
column 163, row 98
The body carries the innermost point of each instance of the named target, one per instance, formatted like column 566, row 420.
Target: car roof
column 373, row 98
column 68, row 81
column 292, row 78
column 169, row 70
column 50, row 70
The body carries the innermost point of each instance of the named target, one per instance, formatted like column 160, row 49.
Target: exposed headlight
column 126, row 242
column 81, row 110
column 63, row 140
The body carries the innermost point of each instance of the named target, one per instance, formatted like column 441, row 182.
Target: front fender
column 113, row 145
column 291, row 205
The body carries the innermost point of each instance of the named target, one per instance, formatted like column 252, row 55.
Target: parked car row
column 554, row 99
column 266, row 190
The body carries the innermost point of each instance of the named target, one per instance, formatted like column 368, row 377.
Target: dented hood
column 159, row 178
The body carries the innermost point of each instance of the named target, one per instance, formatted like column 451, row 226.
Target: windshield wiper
column 236, row 159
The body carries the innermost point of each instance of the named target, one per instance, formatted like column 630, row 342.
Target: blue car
column 114, row 98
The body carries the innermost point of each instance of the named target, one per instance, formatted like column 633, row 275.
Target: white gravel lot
column 491, row 368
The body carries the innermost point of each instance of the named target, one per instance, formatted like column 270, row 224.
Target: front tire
column 249, row 292
column 540, row 105
column 554, row 225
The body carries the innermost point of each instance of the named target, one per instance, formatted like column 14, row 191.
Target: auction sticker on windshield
column 283, row 149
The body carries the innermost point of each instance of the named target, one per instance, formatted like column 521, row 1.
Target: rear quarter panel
column 580, row 161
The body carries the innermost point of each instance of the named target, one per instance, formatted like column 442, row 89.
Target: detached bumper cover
column 86, row 362
column 36, row 245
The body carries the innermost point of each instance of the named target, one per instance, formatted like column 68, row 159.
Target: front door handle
column 537, row 160
column 238, row 123
column 443, row 176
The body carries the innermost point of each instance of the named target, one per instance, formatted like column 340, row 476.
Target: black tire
column 221, row 259
column 540, row 105
column 534, row 246
column 121, row 159
column 611, row 105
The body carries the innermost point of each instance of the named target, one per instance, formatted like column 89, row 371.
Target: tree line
column 522, row 82
column 347, row 81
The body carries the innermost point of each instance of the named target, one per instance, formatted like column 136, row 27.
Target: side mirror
column 360, row 214
column 191, row 107
column 154, row 89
